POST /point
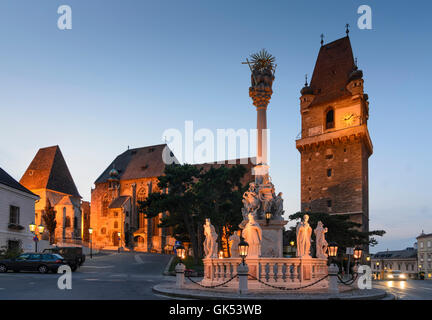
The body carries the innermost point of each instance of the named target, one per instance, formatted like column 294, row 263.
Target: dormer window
column 329, row 119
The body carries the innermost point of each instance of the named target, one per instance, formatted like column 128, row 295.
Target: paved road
column 407, row 290
column 112, row 276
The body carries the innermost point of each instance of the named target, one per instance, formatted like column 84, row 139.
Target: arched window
column 105, row 204
column 329, row 119
column 103, row 230
column 67, row 222
column 142, row 194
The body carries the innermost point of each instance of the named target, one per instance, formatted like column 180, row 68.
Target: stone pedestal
column 333, row 270
column 272, row 238
column 180, row 275
column 242, row 272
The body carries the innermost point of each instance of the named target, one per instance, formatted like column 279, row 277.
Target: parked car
column 72, row 255
column 395, row 275
column 42, row 262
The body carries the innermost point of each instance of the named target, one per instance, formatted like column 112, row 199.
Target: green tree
column 220, row 192
column 49, row 219
column 179, row 201
column 193, row 195
column 342, row 231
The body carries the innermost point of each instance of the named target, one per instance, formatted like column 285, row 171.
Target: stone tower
column 335, row 144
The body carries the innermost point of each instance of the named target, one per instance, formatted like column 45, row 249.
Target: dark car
column 72, row 255
column 42, row 262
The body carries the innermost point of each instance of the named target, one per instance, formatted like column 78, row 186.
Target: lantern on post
column 268, row 216
column 32, row 227
column 41, row 229
column 332, row 251
column 90, row 231
column 181, row 252
column 243, row 247
column 180, row 267
column 357, row 254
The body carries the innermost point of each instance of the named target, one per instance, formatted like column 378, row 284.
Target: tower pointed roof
column 49, row 170
column 334, row 64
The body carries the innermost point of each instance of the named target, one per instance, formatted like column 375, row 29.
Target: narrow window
column 329, row 203
column 329, row 172
column 14, row 214
column 330, row 119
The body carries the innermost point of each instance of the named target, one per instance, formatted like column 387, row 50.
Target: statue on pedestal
column 321, row 243
column 210, row 243
column 303, row 232
column 234, row 241
column 252, row 234
column 278, row 205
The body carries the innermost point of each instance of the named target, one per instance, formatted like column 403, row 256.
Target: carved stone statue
column 234, row 241
column 252, row 234
column 250, row 198
column 210, row 244
column 303, row 232
column 321, row 243
column 278, row 205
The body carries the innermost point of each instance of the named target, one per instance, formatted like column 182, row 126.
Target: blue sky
column 128, row 70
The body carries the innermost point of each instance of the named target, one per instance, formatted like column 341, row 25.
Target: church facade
column 130, row 178
column 114, row 214
column 335, row 144
column 48, row 176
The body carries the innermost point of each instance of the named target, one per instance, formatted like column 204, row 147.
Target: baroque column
column 262, row 69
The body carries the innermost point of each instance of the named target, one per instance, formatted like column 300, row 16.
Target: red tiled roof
column 48, row 170
column 138, row 163
column 334, row 64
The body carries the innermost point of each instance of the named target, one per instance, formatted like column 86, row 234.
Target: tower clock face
column 348, row 118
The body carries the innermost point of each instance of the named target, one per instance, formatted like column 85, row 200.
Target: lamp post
column 243, row 269
column 357, row 254
column 119, row 240
column 292, row 244
column 333, row 269
column 243, row 247
column 180, row 267
column 40, row 229
column 268, row 216
column 90, row 231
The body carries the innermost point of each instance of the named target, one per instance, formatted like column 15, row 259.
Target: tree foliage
column 342, row 231
column 49, row 219
column 190, row 195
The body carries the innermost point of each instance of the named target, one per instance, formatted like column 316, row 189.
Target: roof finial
column 347, row 29
column 306, row 83
column 322, row 39
column 355, row 61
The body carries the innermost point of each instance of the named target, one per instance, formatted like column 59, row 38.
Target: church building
column 130, row 178
column 335, row 144
column 48, row 176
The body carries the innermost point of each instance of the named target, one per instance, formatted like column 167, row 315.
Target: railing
column 277, row 271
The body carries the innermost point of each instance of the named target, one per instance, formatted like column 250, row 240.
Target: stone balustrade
column 281, row 272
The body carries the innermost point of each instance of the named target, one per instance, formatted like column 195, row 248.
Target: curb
column 166, row 270
column 203, row 295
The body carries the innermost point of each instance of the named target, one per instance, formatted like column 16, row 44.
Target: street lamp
column 332, row 251
column 243, row 247
column 41, row 229
column 119, row 239
column 357, row 254
column 221, row 254
column 90, row 231
column 180, row 267
column 32, row 228
column 268, row 216
column 181, row 252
